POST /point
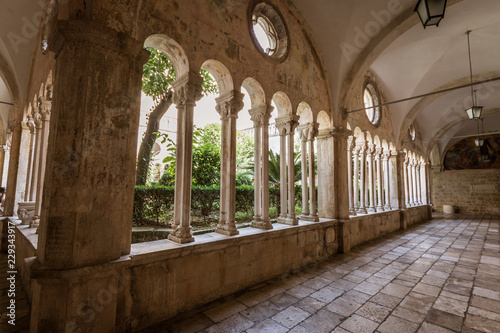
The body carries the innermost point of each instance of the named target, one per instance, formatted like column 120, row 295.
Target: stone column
column 303, row 132
column 406, row 183
column 398, row 174
column 283, row 184
column 340, row 136
column 286, row 125
column 362, row 177
column 386, row 155
column 228, row 106
column 187, row 91
column 265, row 223
column 411, row 182
column 313, row 215
column 2, row 164
column 350, row 146
column 90, row 175
column 30, row 124
column 355, row 187
column 380, row 175
column 418, row 183
column 371, row 181
column 257, row 116
column 45, row 109
column 36, row 161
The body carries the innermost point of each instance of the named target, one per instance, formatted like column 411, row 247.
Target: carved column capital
column 229, row 104
column 187, row 89
column 286, row 124
column 351, row 143
column 257, row 115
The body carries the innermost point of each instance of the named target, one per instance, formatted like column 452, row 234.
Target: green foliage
column 206, row 164
column 243, row 179
column 274, row 168
column 159, row 74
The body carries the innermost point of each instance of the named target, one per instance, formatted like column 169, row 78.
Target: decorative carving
column 229, row 105
column 286, row 124
column 187, row 89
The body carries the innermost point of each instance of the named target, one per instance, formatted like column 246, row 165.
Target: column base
column 380, row 208
column 352, row 212
column 35, row 222
column 181, row 235
column 288, row 220
column 227, row 228
column 312, row 218
column 362, row 211
column 387, row 207
column 372, row 210
column 262, row 224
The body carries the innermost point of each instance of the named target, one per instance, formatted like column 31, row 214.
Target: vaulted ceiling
column 387, row 38
column 356, row 36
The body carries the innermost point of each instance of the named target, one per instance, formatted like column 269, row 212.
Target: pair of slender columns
column 228, row 106
column 307, row 134
column 385, row 158
column 260, row 117
column 380, row 182
column 352, row 190
column 187, row 91
column 360, row 167
column 370, row 188
column 30, row 125
column 286, row 125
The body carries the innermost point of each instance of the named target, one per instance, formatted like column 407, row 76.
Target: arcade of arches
column 70, row 87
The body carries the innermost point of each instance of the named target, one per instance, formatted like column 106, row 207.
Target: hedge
column 155, row 204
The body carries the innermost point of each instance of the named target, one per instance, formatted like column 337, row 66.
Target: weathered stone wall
column 471, row 191
column 364, row 228
column 182, row 277
column 26, row 240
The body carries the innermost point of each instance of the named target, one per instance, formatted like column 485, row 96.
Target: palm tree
column 274, row 168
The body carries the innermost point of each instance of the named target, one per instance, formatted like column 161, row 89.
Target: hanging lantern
column 431, row 12
column 479, row 142
column 474, row 112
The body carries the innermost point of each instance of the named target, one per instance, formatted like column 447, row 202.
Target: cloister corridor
column 435, row 277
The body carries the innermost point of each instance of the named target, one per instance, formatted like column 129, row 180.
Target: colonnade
column 370, row 178
column 36, row 126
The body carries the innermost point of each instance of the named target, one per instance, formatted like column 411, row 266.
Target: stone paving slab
column 439, row 277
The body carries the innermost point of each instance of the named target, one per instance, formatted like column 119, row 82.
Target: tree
column 274, row 168
column 157, row 78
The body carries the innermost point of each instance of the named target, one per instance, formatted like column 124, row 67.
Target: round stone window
column 268, row 31
column 371, row 101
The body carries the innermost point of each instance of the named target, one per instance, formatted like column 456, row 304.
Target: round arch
column 255, row 92
column 221, row 75
column 172, row 49
column 283, row 103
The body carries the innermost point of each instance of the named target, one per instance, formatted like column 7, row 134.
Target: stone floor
column 441, row 276
column 22, row 311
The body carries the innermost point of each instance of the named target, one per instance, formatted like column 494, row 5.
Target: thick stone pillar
column 371, row 181
column 286, row 125
column 380, row 176
column 386, row 156
column 228, row 106
column 90, row 176
column 340, row 136
column 313, row 215
column 356, row 184
column 326, row 169
column 187, row 91
column 350, row 146
column 14, row 134
column 303, row 132
column 5, row 164
column 362, row 177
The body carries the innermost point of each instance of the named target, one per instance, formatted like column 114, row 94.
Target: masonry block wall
column 471, row 191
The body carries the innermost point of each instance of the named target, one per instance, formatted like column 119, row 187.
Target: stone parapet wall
column 364, row 228
column 471, row 191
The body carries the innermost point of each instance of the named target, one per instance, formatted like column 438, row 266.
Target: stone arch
column 255, row 92
column 324, row 120
column 172, row 49
column 283, row 103
column 349, row 126
column 359, row 134
column 376, row 141
column 221, row 75
column 392, row 147
column 305, row 113
column 369, row 138
column 385, row 145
